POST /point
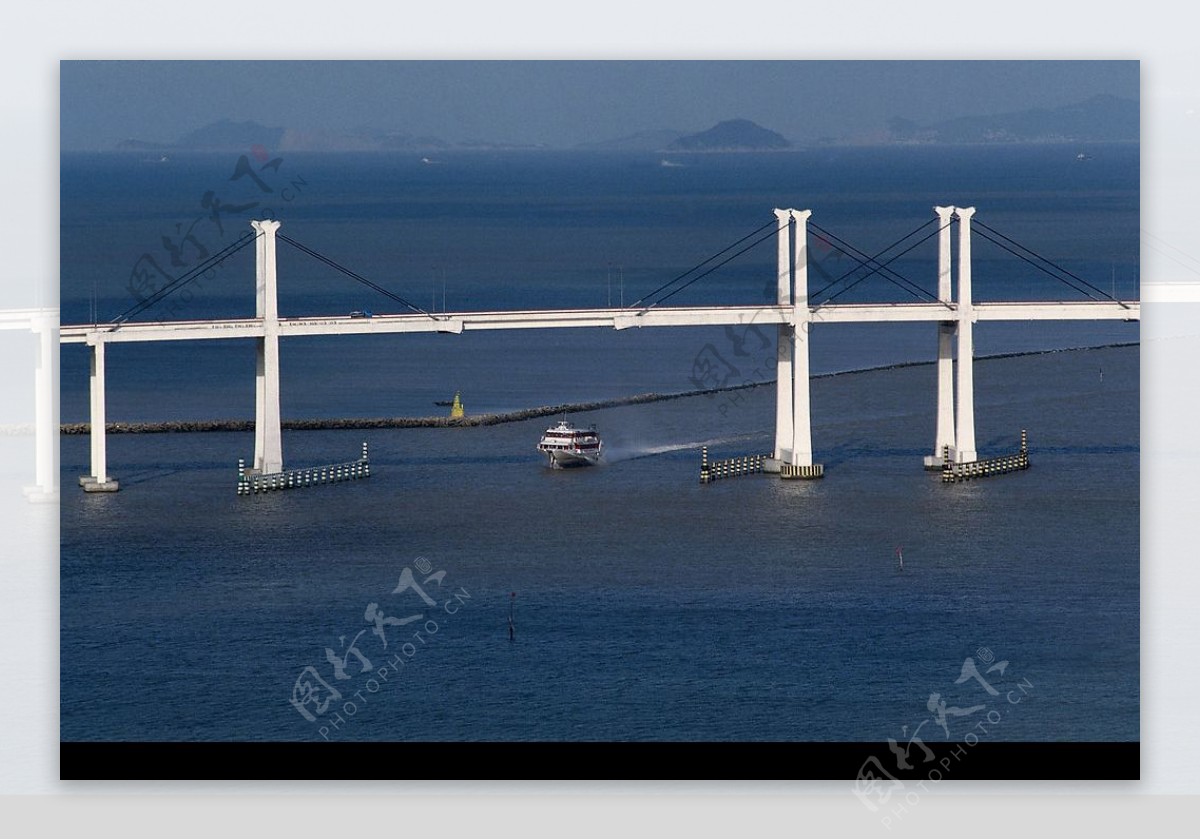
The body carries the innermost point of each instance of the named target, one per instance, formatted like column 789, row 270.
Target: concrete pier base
column 90, row 480
column 37, row 494
column 806, row 471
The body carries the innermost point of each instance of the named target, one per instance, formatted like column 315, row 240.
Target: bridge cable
column 1024, row 258
column 875, row 258
column 1053, row 265
column 890, row 275
column 699, row 265
column 908, row 285
column 862, row 263
column 723, row 262
column 884, row 265
column 354, row 275
column 185, row 278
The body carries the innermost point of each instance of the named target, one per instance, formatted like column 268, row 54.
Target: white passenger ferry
column 566, row 446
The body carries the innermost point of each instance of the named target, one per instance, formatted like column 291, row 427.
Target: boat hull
column 563, row 459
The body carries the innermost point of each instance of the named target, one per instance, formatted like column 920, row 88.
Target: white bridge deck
column 678, row 316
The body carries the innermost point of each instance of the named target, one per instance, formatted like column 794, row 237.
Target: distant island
column 728, row 136
column 731, row 136
column 1101, row 119
column 230, row 135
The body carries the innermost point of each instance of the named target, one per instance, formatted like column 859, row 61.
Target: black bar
column 722, row 760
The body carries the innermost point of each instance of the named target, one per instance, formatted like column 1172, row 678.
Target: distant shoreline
column 181, row 426
column 796, row 148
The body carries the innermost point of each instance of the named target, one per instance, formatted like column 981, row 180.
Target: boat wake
column 628, row 452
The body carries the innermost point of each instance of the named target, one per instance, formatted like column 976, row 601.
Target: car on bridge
column 361, row 313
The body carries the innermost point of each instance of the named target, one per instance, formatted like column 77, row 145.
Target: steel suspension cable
column 700, row 265
column 185, row 278
column 723, row 262
column 881, row 266
column 1048, row 262
column 849, row 250
column 1042, row 269
column 353, row 275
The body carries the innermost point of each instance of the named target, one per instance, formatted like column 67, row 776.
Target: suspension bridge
column 793, row 312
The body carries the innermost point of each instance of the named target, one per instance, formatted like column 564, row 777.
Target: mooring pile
column 729, row 467
column 985, row 467
column 250, row 482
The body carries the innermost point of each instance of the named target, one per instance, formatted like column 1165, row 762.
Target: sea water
column 643, row 605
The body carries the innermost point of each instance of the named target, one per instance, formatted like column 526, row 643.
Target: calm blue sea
column 646, row 606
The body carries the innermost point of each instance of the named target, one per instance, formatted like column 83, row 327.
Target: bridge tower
column 98, row 481
column 964, row 432
column 944, row 433
column 268, row 439
column 793, row 456
column 783, row 355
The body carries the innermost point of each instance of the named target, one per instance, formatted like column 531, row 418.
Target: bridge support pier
column 99, row 481
column 45, row 420
column 944, row 432
column 268, row 438
column 964, row 451
column 784, row 347
column 793, row 456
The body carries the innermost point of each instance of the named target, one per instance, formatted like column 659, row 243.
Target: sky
column 558, row 103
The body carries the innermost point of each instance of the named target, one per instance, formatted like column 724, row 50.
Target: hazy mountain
column 1099, row 119
column 228, row 135
column 731, row 135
